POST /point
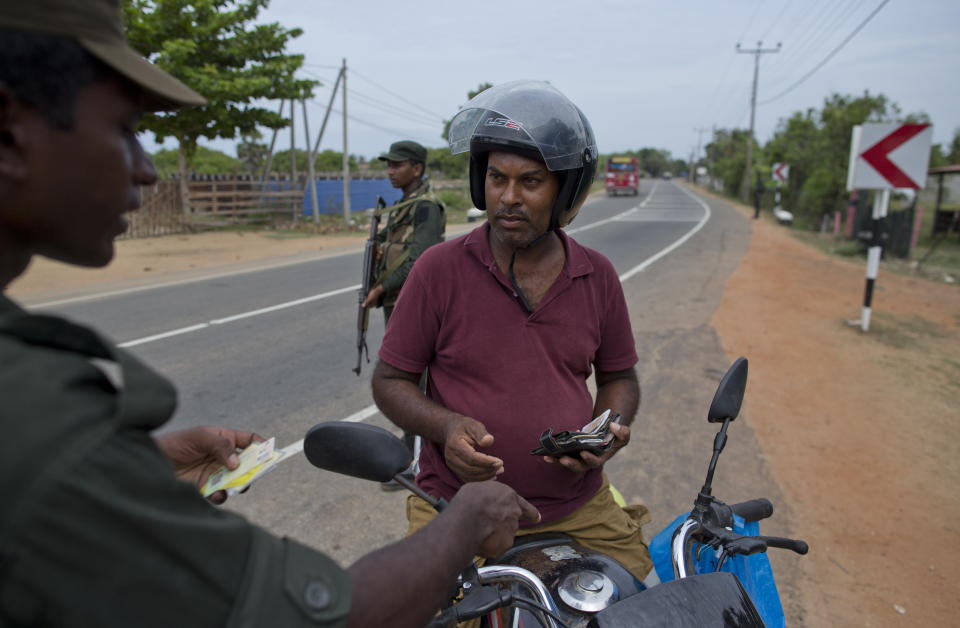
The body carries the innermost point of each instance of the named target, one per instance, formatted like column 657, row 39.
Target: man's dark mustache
column 509, row 215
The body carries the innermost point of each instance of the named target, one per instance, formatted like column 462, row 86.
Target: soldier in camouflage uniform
column 415, row 223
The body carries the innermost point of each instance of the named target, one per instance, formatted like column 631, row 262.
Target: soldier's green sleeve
column 97, row 531
column 119, row 541
column 429, row 224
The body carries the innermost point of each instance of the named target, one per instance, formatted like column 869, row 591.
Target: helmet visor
column 530, row 114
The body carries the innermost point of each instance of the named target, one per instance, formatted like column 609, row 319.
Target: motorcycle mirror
column 356, row 449
column 729, row 396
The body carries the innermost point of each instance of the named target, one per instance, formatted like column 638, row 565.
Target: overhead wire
column 432, row 119
column 829, row 56
column 750, row 22
column 723, row 109
column 786, row 6
column 801, row 33
column 395, row 132
column 830, row 27
column 396, row 95
column 320, row 65
column 713, row 103
column 376, row 103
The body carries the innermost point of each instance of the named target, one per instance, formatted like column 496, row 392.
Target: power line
column 752, row 18
column 802, row 32
column 392, row 109
column 316, row 76
column 379, row 104
column 369, row 124
column 831, row 23
column 319, row 65
column 396, row 95
column 713, row 105
column 829, row 56
column 786, row 6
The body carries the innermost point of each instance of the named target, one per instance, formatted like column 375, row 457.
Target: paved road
column 273, row 350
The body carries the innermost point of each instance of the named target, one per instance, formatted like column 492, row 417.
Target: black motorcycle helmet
column 535, row 120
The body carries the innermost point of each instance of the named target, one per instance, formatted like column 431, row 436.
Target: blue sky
column 645, row 73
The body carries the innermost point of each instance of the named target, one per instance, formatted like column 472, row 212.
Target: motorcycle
column 711, row 561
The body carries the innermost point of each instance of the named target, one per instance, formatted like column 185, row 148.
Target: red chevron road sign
column 889, row 155
column 780, row 172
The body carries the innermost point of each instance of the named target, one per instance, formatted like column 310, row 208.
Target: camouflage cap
column 97, row 25
column 406, row 150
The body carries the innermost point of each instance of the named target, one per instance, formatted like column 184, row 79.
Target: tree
column 252, row 153
column 441, row 163
column 326, row 161
column 652, row 160
column 954, row 155
column 728, row 155
column 205, row 161
column 816, row 144
column 331, row 161
column 215, row 47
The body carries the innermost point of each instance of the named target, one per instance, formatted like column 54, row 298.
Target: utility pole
column 273, row 142
column 346, row 153
column 696, row 156
column 713, row 140
column 756, row 52
column 326, row 115
column 293, row 161
column 311, row 175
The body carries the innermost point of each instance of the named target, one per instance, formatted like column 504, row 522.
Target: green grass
column 901, row 331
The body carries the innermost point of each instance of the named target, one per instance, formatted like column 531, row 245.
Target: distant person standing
column 415, row 223
column 758, row 191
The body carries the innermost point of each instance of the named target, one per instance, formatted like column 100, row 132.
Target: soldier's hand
column 372, row 297
column 493, row 512
column 462, row 437
column 583, row 461
column 198, row 452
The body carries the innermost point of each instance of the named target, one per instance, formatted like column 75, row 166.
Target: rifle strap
column 392, row 268
column 429, row 196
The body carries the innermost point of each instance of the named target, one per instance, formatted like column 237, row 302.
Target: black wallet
column 594, row 437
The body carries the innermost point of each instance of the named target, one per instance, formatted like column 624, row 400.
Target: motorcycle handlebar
column 753, row 510
column 796, row 545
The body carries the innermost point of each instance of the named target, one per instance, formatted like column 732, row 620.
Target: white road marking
column 167, row 334
column 619, row 216
column 706, row 216
column 626, row 215
column 283, row 306
column 658, row 214
column 362, row 415
column 235, row 317
column 181, row 282
column 356, row 417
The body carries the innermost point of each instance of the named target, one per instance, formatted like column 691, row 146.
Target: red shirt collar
column 577, row 263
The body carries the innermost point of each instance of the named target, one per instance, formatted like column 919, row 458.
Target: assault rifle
column 369, row 270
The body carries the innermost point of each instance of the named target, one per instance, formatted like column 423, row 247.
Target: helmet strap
column 513, row 278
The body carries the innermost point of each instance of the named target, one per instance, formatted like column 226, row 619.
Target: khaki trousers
column 600, row 524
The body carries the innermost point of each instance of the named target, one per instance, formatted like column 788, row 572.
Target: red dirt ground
column 861, row 430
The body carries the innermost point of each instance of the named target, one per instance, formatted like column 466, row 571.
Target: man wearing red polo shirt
column 511, row 320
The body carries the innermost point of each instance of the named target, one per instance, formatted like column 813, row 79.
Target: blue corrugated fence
column 363, row 195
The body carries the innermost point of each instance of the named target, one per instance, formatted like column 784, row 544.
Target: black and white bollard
column 880, row 203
